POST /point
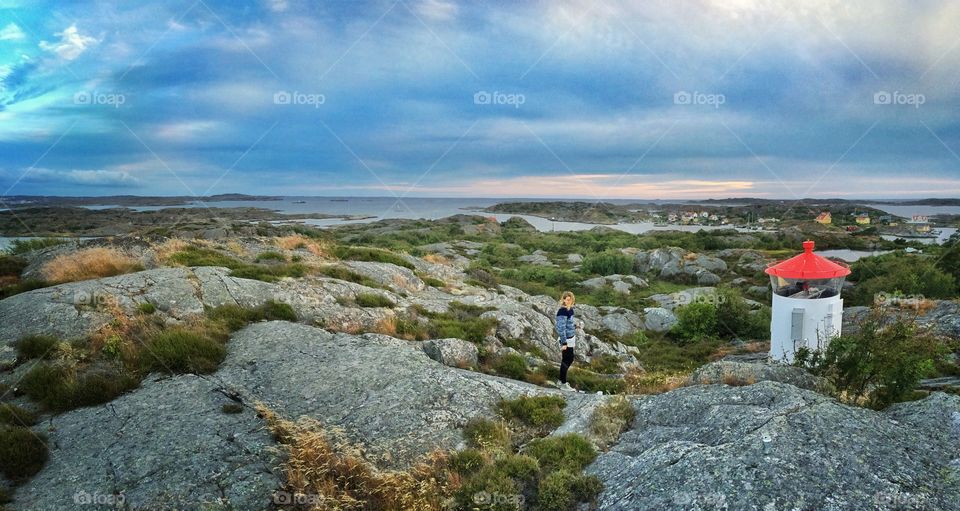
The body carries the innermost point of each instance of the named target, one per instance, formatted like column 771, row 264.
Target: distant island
column 126, row 200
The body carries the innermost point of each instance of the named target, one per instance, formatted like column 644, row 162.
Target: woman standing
column 566, row 336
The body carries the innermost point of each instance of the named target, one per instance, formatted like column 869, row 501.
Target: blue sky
column 579, row 99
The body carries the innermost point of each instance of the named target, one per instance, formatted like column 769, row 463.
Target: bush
column 898, row 273
column 467, row 461
column 543, row 412
column 371, row 254
column 559, row 490
column 570, row 452
column 146, row 308
column 610, row 419
column 21, row 287
column 36, row 346
column 607, row 263
column 511, row 365
column 16, row 416
column 373, row 300
column 235, row 317
column 487, row 435
column 182, row 351
column 695, row 322
column 878, row 365
column 59, row 388
column 271, row 256
column 734, row 317
column 22, row 452
column 24, row 246
column 12, row 266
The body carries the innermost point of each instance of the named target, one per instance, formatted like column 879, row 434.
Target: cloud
column 11, row 32
column 105, row 178
column 277, row 5
column 437, row 10
column 72, row 43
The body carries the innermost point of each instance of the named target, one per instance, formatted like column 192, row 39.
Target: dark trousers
column 565, row 363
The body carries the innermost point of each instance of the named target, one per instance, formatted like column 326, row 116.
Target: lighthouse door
column 796, row 327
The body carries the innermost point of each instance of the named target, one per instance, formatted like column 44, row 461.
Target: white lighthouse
column 807, row 308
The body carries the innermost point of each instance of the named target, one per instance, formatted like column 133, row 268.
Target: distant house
column 824, row 218
column 923, row 228
column 920, row 219
column 863, row 219
column 671, row 217
column 704, row 214
column 714, row 218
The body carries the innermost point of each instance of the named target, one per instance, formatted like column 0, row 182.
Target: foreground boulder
column 732, row 372
column 774, row 446
column 169, row 444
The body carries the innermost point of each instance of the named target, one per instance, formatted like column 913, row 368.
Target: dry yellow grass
column 169, row 247
column 236, row 249
column 297, row 241
column 91, row 263
column 436, row 259
column 331, row 473
column 656, row 382
column 387, row 326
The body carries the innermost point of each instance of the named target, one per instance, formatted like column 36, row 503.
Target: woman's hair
column 573, row 299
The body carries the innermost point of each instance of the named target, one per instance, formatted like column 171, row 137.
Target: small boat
column 299, row 202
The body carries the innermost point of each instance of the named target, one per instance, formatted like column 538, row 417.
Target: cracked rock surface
column 775, row 446
column 169, row 445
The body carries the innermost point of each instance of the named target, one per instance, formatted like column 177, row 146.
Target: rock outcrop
column 774, row 446
column 169, row 444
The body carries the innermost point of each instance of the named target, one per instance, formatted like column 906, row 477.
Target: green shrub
column 473, row 329
column 607, row 263
column 899, row 273
column 21, row 287
column 24, row 246
column 16, row 416
column 734, row 317
column 489, row 481
column 878, row 365
column 37, row 346
column 467, row 461
column 544, row 412
column 182, row 351
column 235, row 317
column 12, row 266
column 271, row 256
column 488, row 435
column 273, row 310
column 606, row 364
column 570, row 452
column 695, row 322
column 195, row 256
column 59, row 388
column 511, row 365
column 22, row 452
column 610, row 419
column 373, row 300
column 371, row 254
column 432, row 281
column 518, row 466
column 146, row 308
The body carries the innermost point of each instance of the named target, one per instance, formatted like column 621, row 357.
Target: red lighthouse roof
column 808, row 266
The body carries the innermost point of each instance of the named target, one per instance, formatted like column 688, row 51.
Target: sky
column 589, row 99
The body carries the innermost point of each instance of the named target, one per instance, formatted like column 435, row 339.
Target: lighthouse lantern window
column 806, row 288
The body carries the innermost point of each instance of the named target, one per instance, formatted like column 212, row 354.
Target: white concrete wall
column 816, row 333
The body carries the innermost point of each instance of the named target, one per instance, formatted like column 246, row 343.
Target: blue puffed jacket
column 566, row 328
